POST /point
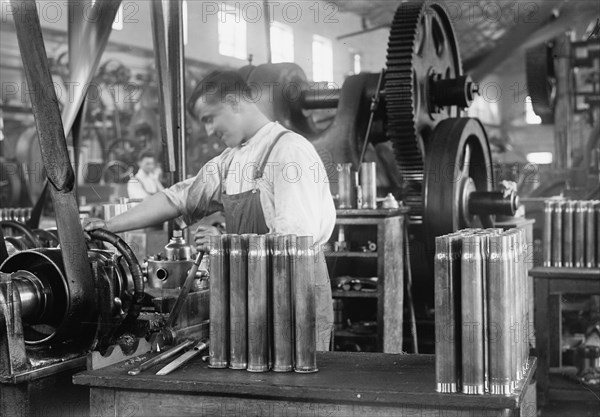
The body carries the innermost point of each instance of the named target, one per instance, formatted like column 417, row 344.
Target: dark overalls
column 244, row 214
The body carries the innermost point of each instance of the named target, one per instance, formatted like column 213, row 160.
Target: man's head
column 223, row 103
column 147, row 162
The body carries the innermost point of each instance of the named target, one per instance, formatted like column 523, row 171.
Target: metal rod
column 258, row 343
column 238, row 302
column 304, row 306
column 219, row 302
column 547, row 236
column 160, row 357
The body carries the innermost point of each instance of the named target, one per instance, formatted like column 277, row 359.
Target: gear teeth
column 400, row 103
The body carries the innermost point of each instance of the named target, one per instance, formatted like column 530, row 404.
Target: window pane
column 232, row 34
column 322, row 59
column 282, row 43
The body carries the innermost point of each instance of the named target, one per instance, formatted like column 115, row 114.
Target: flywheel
column 459, row 164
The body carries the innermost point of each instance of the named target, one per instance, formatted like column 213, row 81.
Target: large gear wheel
column 422, row 49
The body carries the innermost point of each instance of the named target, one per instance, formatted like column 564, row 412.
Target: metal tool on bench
column 160, row 358
column 186, row 357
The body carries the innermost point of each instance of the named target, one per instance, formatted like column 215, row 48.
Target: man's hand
column 92, row 223
column 203, row 234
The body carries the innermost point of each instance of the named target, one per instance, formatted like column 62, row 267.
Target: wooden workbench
column 347, row 384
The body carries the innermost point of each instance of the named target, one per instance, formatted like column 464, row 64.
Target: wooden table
column 347, row 384
column 549, row 283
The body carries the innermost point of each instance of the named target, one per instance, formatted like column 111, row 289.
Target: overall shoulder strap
column 262, row 166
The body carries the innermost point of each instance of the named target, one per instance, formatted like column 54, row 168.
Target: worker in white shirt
column 146, row 181
column 268, row 180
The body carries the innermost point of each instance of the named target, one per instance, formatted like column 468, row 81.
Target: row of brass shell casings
column 262, row 303
column 571, row 233
column 481, row 307
column 17, row 214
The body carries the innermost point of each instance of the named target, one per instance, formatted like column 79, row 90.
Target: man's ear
column 233, row 100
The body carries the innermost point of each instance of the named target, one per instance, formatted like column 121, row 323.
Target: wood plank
column 554, row 318
column 135, row 403
column 374, row 379
column 353, row 294
column 103, row 403
column 541, row 335
column 393, row 292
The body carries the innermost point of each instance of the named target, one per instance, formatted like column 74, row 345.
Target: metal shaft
column 597, row 226
column 258, row 343
column 304, row 306
column 238, row 302
column 472, row 264
column 282, row 307
column 219, row 302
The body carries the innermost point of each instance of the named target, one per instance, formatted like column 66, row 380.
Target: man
column 268, row 179
column 145, row 182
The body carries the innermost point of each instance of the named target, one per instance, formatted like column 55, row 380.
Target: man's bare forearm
column 153, row 210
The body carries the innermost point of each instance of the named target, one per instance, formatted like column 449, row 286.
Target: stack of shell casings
column 481, row 314
column 262, row 303
column 20, row 214
column 572, row 234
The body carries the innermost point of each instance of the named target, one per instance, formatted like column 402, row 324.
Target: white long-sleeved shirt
column 294, row 190
column 143, row 185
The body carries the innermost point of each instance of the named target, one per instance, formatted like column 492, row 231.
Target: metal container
column 258, row 306
column 303, row 283
column 557, row 236
column 238, row 302
column 177, row 249
column 473, row 328
column 447, row 313
column 499, row 293
column 167, row 274
column 282, row 306
column 219, row 302
column 368, row 185
column 590, row 235
column 547, row 236
column 579, row 238
column 568, row 234
column 345, row 186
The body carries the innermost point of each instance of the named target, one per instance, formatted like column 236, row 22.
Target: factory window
column 530, row 117
column 232, row 32
column 118, row 22
column 282, row 43
column 184, row 19
column 357, row 63
column 540, row 158
column 322, row 54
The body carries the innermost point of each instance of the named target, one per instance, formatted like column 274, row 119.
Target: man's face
column 147, row 165
column 221, row 119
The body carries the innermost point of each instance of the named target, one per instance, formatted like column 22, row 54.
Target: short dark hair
column 216, row 86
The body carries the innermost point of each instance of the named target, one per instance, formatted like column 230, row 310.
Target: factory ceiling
column 489, row 32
